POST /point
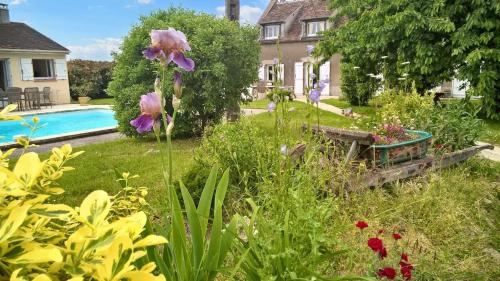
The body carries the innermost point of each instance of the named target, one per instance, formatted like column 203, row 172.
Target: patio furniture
column 32, row 97
column 14, row 96
column 45, row 97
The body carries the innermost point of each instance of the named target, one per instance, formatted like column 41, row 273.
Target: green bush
column 279, row 95
column 453, row 126
column 243, row 148
column 356, row 87
column 227, row 61
column 89, row 78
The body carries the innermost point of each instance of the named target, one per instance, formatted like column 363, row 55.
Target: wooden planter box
column 387, row 154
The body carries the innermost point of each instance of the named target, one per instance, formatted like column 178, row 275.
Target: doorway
column 4, row 74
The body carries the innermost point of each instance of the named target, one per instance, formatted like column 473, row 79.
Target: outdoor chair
column 45, row 97
column 14, row 96
column 32, row 97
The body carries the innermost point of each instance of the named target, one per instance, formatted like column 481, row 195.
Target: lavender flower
column 271, row 106
column 309, row 49
column 169, row 45
column 178, row 85
column 314, row 95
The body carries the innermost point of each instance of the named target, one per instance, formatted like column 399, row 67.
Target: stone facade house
column 30, row 59
column 295, row 24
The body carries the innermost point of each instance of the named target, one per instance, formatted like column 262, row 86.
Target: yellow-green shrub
column 43, row 241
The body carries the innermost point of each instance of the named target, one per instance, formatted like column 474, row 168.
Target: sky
column 92, row 29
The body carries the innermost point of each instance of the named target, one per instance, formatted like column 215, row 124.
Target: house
column 296, row 24
column 30, row 59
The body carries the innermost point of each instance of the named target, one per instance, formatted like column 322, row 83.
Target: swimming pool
column 60, row 123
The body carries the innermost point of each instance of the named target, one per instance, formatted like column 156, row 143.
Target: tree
column 227, row 62
column 88, row 77
column 440, row 39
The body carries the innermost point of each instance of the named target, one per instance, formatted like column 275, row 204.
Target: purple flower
column 276, row 61
column 271, row 106
column 314, row 95
column 310, row 49
column 150, row 111
column 169, row 45
column 178, row 84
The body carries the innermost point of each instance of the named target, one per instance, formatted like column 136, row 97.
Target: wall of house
column 60, row 88
column 297, row 52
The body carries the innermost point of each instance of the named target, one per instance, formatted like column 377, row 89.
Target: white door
column 262, row 73
column 324, row 75
column 457, row 92
column 299, row 79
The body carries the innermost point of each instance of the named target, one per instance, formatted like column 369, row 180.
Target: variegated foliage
column 43, row 241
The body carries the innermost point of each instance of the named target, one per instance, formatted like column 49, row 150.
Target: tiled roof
column 315, row 10
column 280, row 11
column 16, row 35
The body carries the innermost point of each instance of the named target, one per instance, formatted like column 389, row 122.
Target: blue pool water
column 59, row 123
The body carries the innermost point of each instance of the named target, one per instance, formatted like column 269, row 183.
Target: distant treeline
column 89, row 78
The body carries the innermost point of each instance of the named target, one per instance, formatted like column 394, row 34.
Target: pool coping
column 63, row 137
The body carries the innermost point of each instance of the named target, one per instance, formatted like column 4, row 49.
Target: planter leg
column 351, row 152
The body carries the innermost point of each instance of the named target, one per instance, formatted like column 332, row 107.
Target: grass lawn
column 363, row 110
column 258, row 104
column 104, row 101
column 95, row 169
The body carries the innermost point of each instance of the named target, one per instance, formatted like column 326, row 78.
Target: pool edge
column 63, row 137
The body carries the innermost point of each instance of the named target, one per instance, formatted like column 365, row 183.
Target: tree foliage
column 441, row 40
column 89, row 78
column 226, row 57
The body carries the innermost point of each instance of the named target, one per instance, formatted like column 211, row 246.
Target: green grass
column 491, row 132
column 104, row 101
column 258, row 104
column 95, row 169
column 363, row 110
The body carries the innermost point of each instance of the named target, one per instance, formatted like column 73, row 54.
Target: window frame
column 50, row 69
column 276, row 28
column 270, row 71
column 320, row 27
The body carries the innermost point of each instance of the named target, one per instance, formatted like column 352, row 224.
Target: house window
column 43, row 69
column 271, row 31
column 314, row 27
column 270, row 72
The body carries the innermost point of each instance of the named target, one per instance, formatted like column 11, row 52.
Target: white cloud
column 145, row 2
column 17, row 2
column 99, row 49
column 248, row 14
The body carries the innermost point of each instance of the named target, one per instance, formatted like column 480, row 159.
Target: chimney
column 4, row 13
column 233, row 10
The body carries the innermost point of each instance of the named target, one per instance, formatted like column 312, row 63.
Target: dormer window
column 315, row 27
column 272, row 31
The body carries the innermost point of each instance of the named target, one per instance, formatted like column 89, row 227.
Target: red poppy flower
column 404, row 257
column 361, row 225
column 375, row 244
column 383, row 253
column 380, row 231
column 388, row 272
column 406, row 269
column 396, row 236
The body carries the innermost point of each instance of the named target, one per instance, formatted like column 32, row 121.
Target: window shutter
column 8, row 74
column 299, row 79
column 324, row 75
column 27, row 69
column 61, row 69
column 282, row 73
column 262, row 73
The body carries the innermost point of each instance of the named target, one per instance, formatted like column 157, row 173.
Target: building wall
column 293, row 52
column 60, row 88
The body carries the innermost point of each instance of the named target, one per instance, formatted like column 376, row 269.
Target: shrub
column 356, row 87
column 279, row 95
column 226, row 57
column 97, row 241
column 242, row 147
column 453, row 126
column 89, row 78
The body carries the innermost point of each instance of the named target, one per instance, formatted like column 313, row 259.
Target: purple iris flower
column 314, row 95
column 150, row 113
column 271, row 106
column 310, row 49
column 169, row 45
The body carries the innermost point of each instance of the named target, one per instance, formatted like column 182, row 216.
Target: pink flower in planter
column 169, row 45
